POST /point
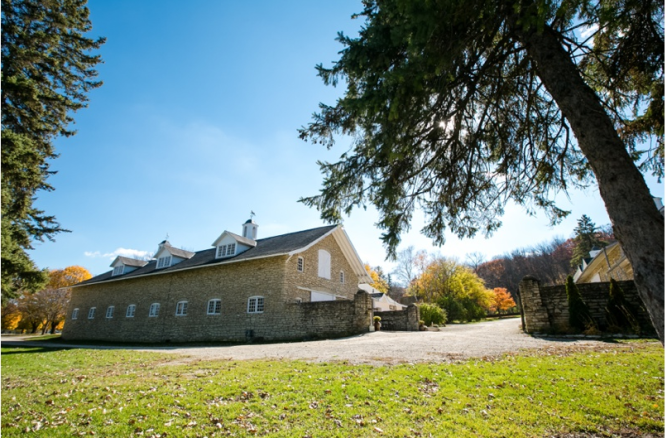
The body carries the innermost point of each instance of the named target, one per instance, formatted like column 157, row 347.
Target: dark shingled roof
column 271, row 246
column 127, row 261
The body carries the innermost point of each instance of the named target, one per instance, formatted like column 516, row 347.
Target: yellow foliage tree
column 378, row 283
column 11, row 316
column 455, row 288
column 67, row 277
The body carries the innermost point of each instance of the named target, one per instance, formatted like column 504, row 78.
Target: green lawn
column 127, row 393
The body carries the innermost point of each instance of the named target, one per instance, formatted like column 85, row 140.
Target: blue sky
column 196, row 125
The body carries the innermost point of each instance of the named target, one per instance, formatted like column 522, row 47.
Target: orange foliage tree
column 46, row 308
column 502, row 300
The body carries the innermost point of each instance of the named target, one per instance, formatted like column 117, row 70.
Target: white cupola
column 250, row 229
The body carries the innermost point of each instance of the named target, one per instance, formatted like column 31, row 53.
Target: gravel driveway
column 453, row 342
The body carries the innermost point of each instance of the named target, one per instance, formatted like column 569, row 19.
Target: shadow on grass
column 29, row 350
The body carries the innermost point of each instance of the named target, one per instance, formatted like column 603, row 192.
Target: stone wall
column 545, row 308
column 400, row 320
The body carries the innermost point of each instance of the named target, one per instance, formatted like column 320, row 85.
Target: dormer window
column 164, row 262
column 226, row 250
column 118, row 270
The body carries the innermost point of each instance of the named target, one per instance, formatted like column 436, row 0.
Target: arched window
column 129, row 313
column 256, row 305
column 324, row 264
column 154, row 310
column 75, row 313
column 214, row 307
column 110, row 310
column 182, row 308
column 91, row 313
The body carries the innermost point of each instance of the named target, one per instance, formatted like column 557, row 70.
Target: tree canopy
column 586, row 237
column 456, row 107
column 47, row 69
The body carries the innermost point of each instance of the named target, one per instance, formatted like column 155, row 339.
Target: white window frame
column 154, row 310
column 226, row 250
column 164, row 262
column 216, row 303
column 118, row 270
column 182, row 308
column 255, row 304
column 131, row 310
column 91, row 313
column 300, row 264
column 75, row 313
column 342, row 277
column 324, row 264
column 110, row 311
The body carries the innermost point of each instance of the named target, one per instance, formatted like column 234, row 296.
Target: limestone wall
column 400, row 320
column 545, row 308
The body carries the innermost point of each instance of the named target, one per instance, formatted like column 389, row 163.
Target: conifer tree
column 47, row 71
column 586, row 238
column 580, row 316
column 457, row 106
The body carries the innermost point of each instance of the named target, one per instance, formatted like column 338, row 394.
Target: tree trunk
column 637, row 223
column 54, row 324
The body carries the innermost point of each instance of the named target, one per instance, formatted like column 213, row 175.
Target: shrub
column 377, row 319
column 580, row 316
column 432, row 314
column 619, row 314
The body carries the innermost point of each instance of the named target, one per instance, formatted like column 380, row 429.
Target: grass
column 128, row 393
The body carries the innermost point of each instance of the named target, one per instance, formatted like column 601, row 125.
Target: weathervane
column 252, row 214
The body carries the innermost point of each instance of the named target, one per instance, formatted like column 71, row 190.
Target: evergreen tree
column 580, row 316
column 586, row 237
column 457, row 106
column 47, row 69
column 620, row 315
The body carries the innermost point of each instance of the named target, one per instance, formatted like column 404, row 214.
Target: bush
column 377, row 319
column 580, row 316
column 432, row 314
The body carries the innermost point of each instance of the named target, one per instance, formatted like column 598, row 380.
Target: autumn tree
column 457, row 106
column 379, row 282
column 53, row 300
column 502, row 300
column 409, row 264
column 11, row 316
column 455, row 288
column 47, row 70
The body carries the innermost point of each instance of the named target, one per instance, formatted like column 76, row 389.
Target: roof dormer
column 230, row 244
column 167, row 255
column 122, row 265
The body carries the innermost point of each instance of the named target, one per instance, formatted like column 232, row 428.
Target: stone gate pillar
column 534, row 311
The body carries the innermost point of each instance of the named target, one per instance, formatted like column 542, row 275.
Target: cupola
column 250, row 229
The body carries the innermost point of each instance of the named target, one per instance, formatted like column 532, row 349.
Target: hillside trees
column 47, row 70
column 456, row 107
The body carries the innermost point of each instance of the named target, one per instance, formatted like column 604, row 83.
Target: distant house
column 608, row 262
column 382, row 302
column 282, row 287
column 603, row 265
